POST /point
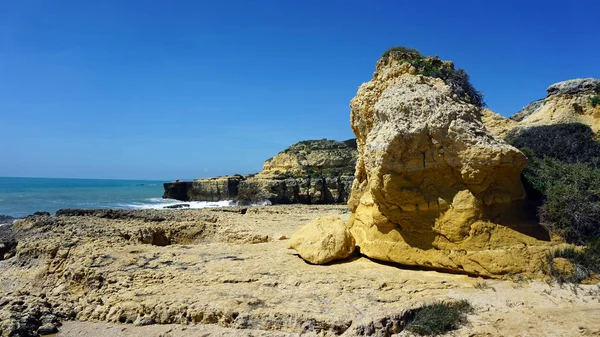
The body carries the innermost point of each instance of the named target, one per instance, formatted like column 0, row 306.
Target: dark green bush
column 562, row 178
column 351, row 143
column 401, row 50
column 439, row 317
column 570, row 143
column 585, row 261
column 595, row 100
column 571, row 204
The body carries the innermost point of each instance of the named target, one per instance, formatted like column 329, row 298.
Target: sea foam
column 159, row 203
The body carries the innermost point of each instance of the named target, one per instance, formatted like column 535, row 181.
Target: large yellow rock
column 323, row 240
column 496, row 123
column 433, row 187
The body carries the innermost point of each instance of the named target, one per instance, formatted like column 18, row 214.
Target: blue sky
column 185, row 89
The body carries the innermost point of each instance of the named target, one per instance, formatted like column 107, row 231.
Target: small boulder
column 323, row 240
column 143, row 321
column 47, row 329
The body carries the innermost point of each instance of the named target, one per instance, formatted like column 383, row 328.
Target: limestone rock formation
column 572, row 101
column 308, row 172
column 323, row 240
column 205, row 189
column 310, row 158
column 496, row 123
column 433, row 187
column 256, row 190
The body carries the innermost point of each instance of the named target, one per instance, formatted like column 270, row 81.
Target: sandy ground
column 230, row 274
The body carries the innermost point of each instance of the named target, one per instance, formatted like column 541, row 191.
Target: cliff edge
column 308, row 172
column 572, row 101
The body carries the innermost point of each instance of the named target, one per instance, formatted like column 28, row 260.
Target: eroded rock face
column 433, row 187
column 308, row 172
column 496, row 123
column 204, row 189
column 313, row 158
column 295, row 190
column 569, row 101
column 323, row 240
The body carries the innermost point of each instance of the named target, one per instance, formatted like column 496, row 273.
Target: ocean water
column 20, row 197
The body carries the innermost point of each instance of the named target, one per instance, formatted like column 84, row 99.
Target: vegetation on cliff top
column 458, row 80
column 321, row 158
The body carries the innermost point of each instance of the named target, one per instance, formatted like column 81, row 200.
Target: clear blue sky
column 185, row 89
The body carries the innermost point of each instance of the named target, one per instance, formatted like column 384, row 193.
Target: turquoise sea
column 20, row 197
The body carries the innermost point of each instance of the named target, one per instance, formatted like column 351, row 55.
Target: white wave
column 9, row 223
column 159, row 203
column 263, row 203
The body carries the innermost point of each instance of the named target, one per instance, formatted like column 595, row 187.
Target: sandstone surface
column 323, row 240
column 433, row 187
column 496, row 123
column 227, row 272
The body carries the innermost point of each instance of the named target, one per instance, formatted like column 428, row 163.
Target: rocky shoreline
column 229, row 269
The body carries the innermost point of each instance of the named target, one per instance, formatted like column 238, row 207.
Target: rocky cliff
column 308, row 172
column 433, row 187
column 572, row 101
column 313, row 158
column 208, row 189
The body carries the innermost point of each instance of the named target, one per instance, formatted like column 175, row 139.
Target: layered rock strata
column 433, row 187
column 308, row 172
column 256, row 190
column 313, row 158
column 209, row 189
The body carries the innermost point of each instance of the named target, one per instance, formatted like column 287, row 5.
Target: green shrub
column 351, row 143
column 401, row 50
column 562, row 178
column 458, row 80
column 439, row 317
column 585, row 261
column 571, row 194
column 594, row 101
column 569, row 143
